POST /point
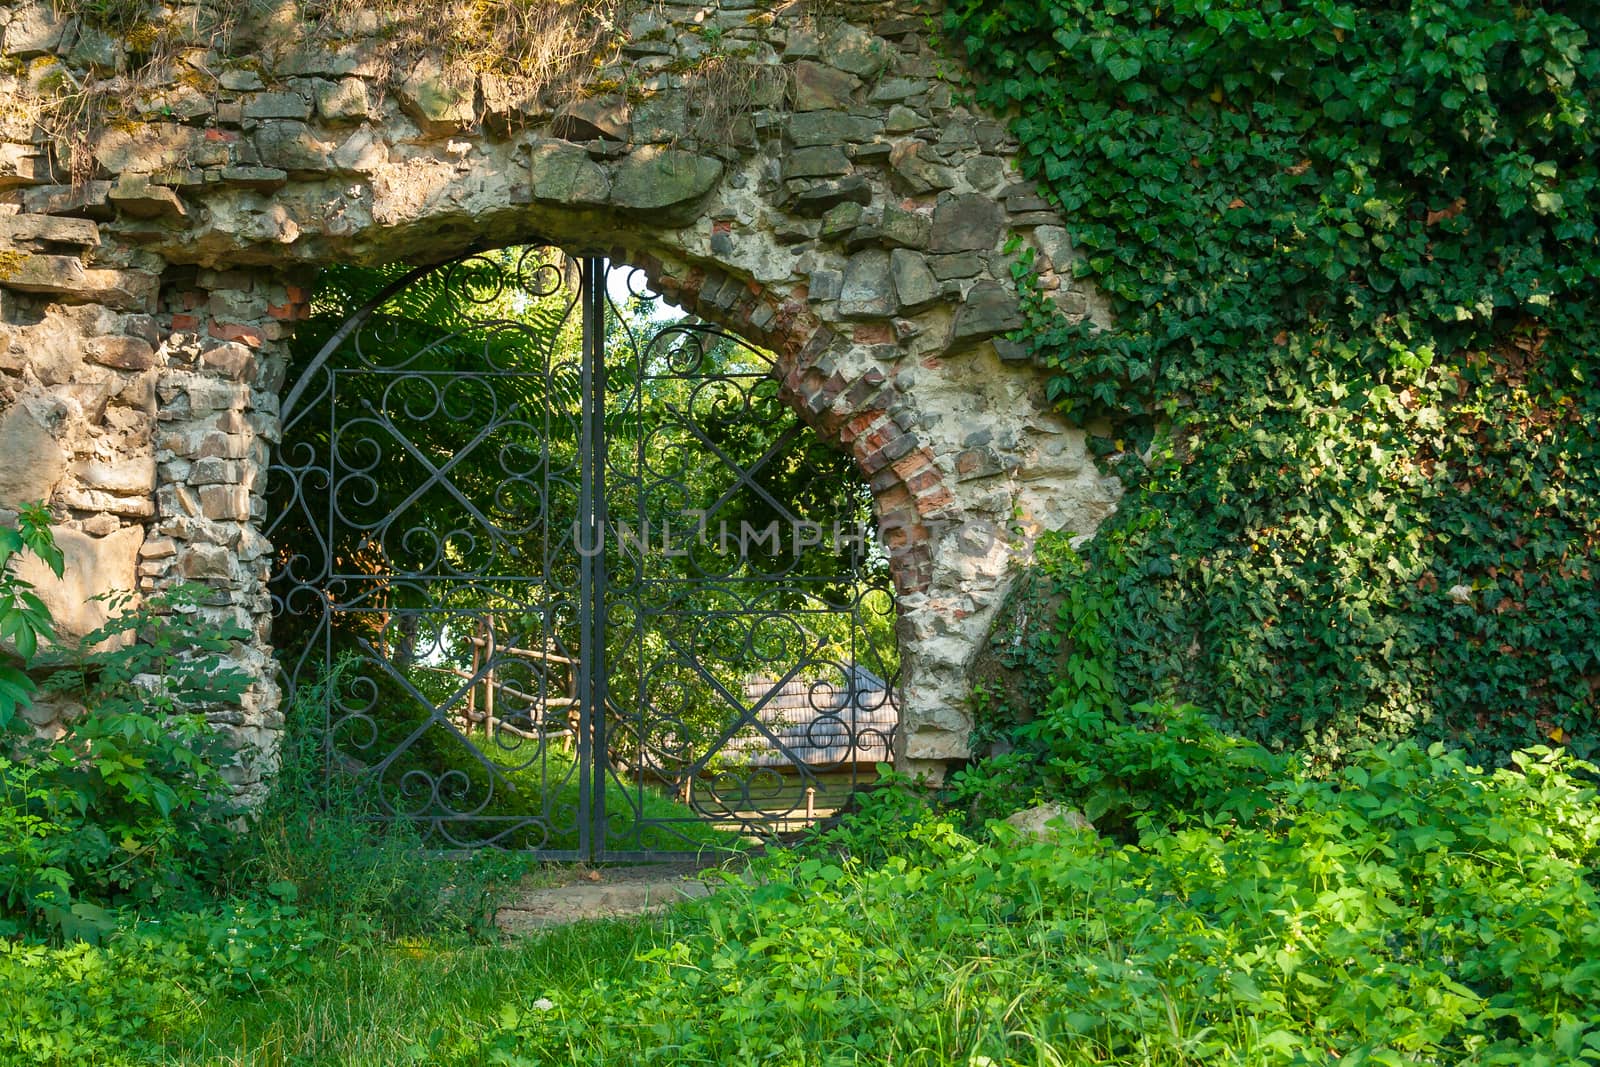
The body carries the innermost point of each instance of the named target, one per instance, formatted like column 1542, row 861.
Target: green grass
column 408, row 1003
column 1412, row 910
column 535, row 804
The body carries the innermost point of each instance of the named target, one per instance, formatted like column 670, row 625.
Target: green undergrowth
column 1352, row 385
column 1402, row 908
column 1408, row 909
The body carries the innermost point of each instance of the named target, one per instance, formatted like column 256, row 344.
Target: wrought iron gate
column 559, row 575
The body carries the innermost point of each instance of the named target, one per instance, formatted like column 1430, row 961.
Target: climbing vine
column 1353, row 384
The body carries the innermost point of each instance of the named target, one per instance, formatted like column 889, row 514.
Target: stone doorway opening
column 561, row 570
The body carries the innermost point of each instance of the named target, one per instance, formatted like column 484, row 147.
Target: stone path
column 601, row 893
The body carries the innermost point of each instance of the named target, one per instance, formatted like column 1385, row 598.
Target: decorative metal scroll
column 559, row 575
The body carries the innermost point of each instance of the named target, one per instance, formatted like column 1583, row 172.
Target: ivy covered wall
column 1353, row 385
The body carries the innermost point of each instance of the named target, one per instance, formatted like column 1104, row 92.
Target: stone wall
column 808, row 179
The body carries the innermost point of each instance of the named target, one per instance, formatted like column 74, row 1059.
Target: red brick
column 894, row 499
column 936, row 501
column 235, row 331
column 857, row 425
column 874, row 333
column 184, row 323
column 908, row 466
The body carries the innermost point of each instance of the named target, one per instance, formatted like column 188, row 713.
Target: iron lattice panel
column 503, row 504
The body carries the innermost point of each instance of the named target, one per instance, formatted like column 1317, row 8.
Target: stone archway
column 849, row 214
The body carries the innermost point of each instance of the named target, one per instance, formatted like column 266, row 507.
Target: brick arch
column 856, row 218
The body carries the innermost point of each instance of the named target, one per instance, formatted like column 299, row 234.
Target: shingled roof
column 819, row 724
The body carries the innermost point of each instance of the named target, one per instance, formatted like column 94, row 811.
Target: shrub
column 1351, row 248
column 127, row 804
column 24, row 621
column 1410, row 909
column 103, row 1004
column 320, row 833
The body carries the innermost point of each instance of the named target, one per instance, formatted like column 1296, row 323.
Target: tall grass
column 360, row 874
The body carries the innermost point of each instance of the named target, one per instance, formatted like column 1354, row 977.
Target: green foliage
column 1406, row 908
column 317, row 841
column 127, row 804
column 102, row 1004
column 1352, row 383
column 24, row 622
column 1150, row 766
column 1368, row 919
column 136, row 778
column 874, row 824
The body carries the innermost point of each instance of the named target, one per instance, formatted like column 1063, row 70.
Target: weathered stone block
column 361, row 151
column 135, row 197
column 661, row 117
column 276, row 106
column 820, row 88
column 905, row 229
column 204, row 561
column 989, row 309
column 562, row 173
column 915, row 173
column 211, row 471
column 593, row 118
column 95, row 49
column 914, row 283
column 240, row 80
column 1056, row 244
column 33, row 462
column 133, row 507
column 89, row 198
column 825, row 285
column 868, row 290
column 902, row 119
column 958, row 265
column 66, row 277
column 985, row 173
column 51, row 228
column 815, row 163
column 218, row 445
column 852, row 49
column 818, row 199
column 156, row 147
column 225, row 503
column 814, row 128
column 232, row 360
column 293, row 147
column 895, row 90
column 35, row 29
column 652, row 178
column 1048, row 822
column 92, row 566
column 129, row 476
column 438, row 98
column 21, row 165
column 840, row 220
column 261, row 179
column 122, row 353
column 967, row 224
